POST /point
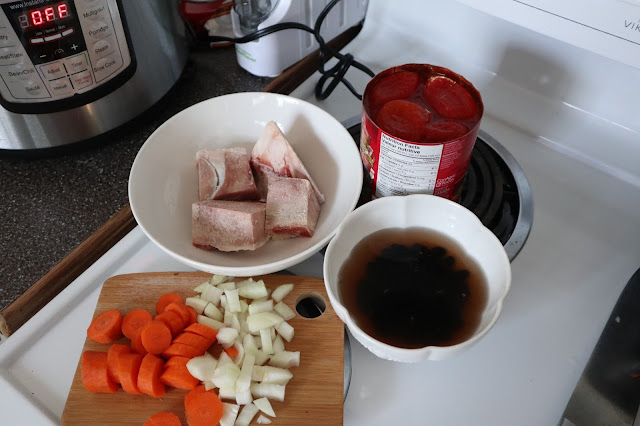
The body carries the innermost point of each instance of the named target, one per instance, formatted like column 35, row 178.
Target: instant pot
column 74, row 69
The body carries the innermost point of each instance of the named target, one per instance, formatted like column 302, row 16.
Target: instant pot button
column 76, row 63
column 106, row 66
column 20, row 72
column 61, row 86
column 10, row 56
column 82, row 79
column 95, row 11
column 34, row 89
column 53, row 70
column 102, row 48
column 99, row 30
column 6, row 39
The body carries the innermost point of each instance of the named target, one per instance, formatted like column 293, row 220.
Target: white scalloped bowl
column 163, row 182
column 431, row 212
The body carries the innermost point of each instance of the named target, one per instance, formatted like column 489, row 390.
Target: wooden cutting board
column 314, row 394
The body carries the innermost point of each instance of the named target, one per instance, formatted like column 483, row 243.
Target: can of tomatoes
column 419, row 126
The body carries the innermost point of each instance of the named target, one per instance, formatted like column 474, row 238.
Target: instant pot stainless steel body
column 71, row 70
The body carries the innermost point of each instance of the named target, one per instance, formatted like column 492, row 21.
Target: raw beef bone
column 273, row 153
column 292, row 208
column 228, row 225
column 225, row 174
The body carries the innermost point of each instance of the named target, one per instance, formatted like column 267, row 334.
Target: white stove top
column 578, row 144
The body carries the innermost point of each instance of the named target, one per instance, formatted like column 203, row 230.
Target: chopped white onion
column 254, row 290
column 268, row 390
column 202, row 367
column 213, row 312
column 284, row 311
column 201, row 287
column 285, row 330
column 262, row 320
column 227, row 286
column 262, row 420
column 257, row 373
column 229, row 414
column 264, row 405
column 262, row 357
column 281, row 292
column 278, row 345
column 285, row 359
column 212, row 294
column 209, row 322
column 196, row 303
column 257, row 307
column 218, row 279
column 275, row 375
column 243, row 397
column 227, row 336
column 208, row 385
column 225, row 375
column 233, row 300
column 267, row 343
column 247, row 414
column 227, row 393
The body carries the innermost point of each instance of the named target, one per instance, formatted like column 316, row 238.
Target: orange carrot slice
column 113, row 354
column 232, row 352
column 192, row 392
column 133, row 322
column 165, row 299
column 95, row 373
column 181, row 310
column 205, row 408
column 203, row 331
column 163, row 418
column 173, row 321
column 128, row 368
column 179, row 377
column 193, row 315
column 180, row 349
column 106, row 327
column 195, row 341
column 137, row 346
column 176, row 361
column 156, row 337
column 149, row 381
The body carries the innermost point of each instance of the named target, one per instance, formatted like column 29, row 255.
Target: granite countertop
column 51, row 204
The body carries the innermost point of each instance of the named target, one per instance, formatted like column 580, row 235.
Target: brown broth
column 412, row 288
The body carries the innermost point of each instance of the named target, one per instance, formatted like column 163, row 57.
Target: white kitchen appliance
column 566, row 113
column 270, row 55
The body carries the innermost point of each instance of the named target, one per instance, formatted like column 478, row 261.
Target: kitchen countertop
column 52, row 202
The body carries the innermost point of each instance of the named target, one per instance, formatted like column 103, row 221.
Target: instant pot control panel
column 60, row 54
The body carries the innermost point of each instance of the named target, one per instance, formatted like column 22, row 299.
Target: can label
column 397, row 166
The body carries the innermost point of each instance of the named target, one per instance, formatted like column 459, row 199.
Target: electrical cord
column 334, row 75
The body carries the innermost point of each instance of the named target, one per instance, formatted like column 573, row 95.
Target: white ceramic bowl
column 163, row 182
column 429, row 212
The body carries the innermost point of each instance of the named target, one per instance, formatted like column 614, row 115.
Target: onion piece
column 219, row 279
column 257, row 307
column 257, row 374
column 268, row 390
column 229, row 414
column 213, row 312
column 262, row 320
column 227, row 393
column 267, row 343
column 262, row 420
column 196, row 303
column 284, row 311
column 278, row 345
column 262, row 358
column 264, row 405
column 227, row 286
column 254, row 290
column 281, row 292
column 201, row 287
column 244, row 380
column 247, row 414
column 212, row 294
column 243, row 397
column 209, row 322
column 233, row 300
column 285, row 359
column 227, row 336
column 208, row 385
column 285, row 330
column 275, row 375
column 225, row 375
column 202, row 367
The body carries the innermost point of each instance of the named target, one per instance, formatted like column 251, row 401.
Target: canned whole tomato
column 419, row 126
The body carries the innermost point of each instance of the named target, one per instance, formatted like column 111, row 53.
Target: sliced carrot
column 176, row 361
column 179, row 377
column 195, row 341
column 156, row 337
column 95, row 373
column 193, row 315
column 137, row 346
column 113, row 354
column 192, row 392
column 165, row 299
column 163, row 418
column 173, row 321
column 181, row 310
column 133, row 322
column 232, row 352
column 149, row 381
column 205, row 408
column 203, row 331
column 128, row 368
column 180, row 349
column 106, row 327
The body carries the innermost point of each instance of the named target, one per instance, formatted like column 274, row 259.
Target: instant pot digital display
column 57, row 55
